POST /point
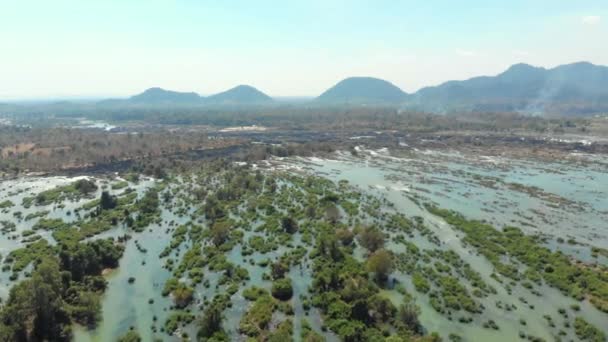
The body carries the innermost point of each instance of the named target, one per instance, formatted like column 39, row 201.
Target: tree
column 381, row 309
column 289, row 225
column 345, row 236
column 332, row 213
column 107, row 201
column 149, row 202
column 85, row 186
column 50, row 317
column 381, row 264
column 213, row 208
column 407, row 316
column 371, row 238
column 34, row 309
column 220, row 232
column 211, row 322
column 281, row 289
column 182, row 295
column 86, row 310
column 279, row 269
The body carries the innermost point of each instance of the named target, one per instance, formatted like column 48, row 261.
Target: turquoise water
column 449, row 179
column 439, row 180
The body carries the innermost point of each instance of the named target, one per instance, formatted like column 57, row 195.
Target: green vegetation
column 287, row 244
column 107, row 201
column 587, row 332
column 371, row 238
column 120, row 185
column 256, row 319
column 182, row 295
column 381, row 264
column 176, row 320
column 420, row 282
column 555, row 268
column 35, row 252
column 130, row 336
column 35, row 309
column 6, row 204
column 351, row 304
column 73, row 191
column 281, row 289
column 7, row 226
column 61, row 290
column 50, row 224
column 148, row 209
column 211, row 322
column 32, row 216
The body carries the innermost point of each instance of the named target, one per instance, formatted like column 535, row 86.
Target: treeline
column 290, row 117
column 35, row 149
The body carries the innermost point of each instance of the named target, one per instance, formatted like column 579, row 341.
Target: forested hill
column 159, row 95
column 570, row 89
column 242, row 94
column 363, row 90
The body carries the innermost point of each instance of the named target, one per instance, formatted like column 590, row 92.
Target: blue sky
column 64, row 48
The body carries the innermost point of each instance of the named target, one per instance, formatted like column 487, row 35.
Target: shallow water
column 399, row 179
column 448, row 179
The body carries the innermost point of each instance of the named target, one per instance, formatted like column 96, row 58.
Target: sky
column 117, row 48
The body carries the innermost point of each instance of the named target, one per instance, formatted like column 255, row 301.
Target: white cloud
column 466, row 53
column 591, row 19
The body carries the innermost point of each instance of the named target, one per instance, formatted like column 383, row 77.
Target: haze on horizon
column 69, row 48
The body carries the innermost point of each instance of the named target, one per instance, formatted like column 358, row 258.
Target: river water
column 569, row 201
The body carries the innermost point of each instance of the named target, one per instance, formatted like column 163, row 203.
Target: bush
column 131, row 336
column 281, row 289
column 587, row 332
column 371, row 238
column 381, row 264
column 107, row 201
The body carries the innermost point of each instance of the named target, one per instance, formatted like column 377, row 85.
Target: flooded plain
column 566, row 203
column 561, row 201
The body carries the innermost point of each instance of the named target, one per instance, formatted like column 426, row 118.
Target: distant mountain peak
column 522, row 67
column 241, row 94
column 363, row 89
column 160, row 95
column 244, row 87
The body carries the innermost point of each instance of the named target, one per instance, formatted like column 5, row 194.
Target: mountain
column 573, row 87
column 363, row 90
column 162, row 96
column 242, row 94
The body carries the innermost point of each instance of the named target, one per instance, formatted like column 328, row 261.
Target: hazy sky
column 58, row 48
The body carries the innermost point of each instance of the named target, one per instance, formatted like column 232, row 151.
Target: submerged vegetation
column 510, row 248
column 66, row 284
column 64, row 288
column 261, row 254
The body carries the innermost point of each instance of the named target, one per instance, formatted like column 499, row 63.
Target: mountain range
column 239, row 95
column 521, row 87
column 572, row 88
